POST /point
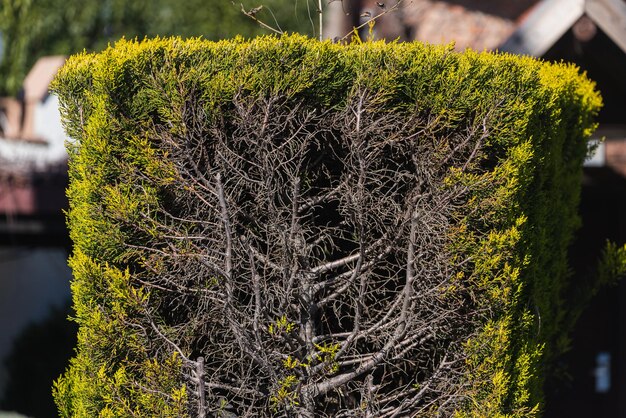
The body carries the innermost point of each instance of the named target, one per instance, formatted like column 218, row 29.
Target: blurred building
column 33, row 161
column 591, row 34
column 34, row 244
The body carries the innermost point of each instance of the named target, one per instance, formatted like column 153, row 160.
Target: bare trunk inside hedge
column 306, row 259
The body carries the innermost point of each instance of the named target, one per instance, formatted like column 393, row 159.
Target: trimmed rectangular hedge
column 287, row 227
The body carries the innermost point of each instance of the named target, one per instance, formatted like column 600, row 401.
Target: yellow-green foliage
column 112, row 370
column 520, row 219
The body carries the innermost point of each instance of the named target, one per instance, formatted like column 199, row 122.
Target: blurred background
column 36, row 36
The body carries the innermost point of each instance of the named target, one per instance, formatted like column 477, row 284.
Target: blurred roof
column 547, row 22
column 480, row 25
column 476, row 24
column 519, row 26
column 40, row 76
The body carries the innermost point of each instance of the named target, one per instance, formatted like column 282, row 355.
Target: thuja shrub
column 287, row 227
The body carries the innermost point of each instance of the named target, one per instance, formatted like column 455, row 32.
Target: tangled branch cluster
column 301, row 264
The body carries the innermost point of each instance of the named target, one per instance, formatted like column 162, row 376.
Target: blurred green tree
column 33, row 28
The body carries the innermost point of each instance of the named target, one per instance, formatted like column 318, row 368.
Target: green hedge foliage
column 141, row 113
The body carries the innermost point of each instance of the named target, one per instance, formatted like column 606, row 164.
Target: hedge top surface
column 406, row 75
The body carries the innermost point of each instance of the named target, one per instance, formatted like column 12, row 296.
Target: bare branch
column 308, row 254
column 252, row 15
